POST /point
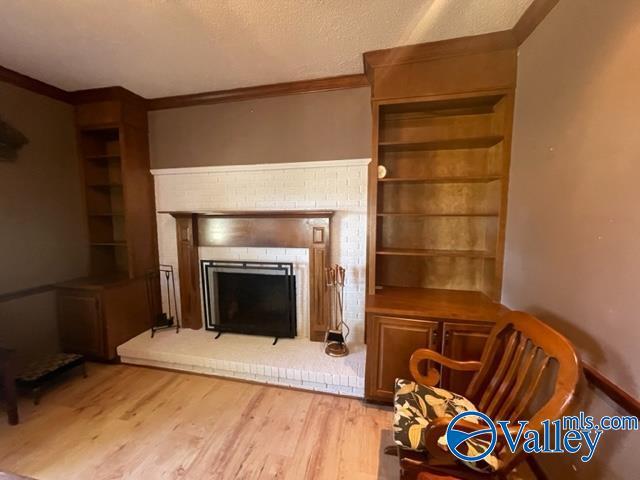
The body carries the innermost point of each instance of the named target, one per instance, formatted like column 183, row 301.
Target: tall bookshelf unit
column 105, row 200
column 440, row 207
column 441, row 134
column 108, row 307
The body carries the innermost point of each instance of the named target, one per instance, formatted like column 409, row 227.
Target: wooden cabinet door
column 390, row 343
column 462, row 341
column 80, row 322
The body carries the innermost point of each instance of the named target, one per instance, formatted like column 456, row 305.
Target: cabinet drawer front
column 392, row 342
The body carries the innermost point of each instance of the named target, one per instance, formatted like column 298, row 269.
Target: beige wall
column 43, row 234
column 573, row 230
column 294, row 128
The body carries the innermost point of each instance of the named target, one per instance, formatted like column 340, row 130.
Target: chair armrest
column 433, row 377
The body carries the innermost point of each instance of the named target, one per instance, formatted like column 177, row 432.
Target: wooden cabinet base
column 400, row 321
column 97, row 315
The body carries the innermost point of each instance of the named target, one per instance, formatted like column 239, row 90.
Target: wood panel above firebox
column 309, row 229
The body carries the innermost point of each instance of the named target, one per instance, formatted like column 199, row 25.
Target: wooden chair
column 520, row 351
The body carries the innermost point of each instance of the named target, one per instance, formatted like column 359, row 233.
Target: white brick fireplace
column 340, row 186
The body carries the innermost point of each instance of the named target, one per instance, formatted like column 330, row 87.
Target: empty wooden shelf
column 460, row 179
column 442, row 144
column 417, row 252
column 400, row 214
column 434, row 303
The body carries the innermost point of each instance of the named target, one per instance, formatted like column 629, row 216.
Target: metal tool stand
column 157, row 280
column 336, row 338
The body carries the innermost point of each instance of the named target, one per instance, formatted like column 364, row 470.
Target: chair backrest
column 519, row 351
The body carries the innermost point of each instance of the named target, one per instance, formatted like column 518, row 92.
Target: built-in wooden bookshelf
column 441, row 127
column 100, row 148
column 440, row 208
column 118, row 186
column 114, row 303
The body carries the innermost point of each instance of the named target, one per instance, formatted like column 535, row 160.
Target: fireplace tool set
column 161, row 319
column 336, row 338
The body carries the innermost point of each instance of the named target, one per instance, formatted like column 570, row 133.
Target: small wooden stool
column 8, row 384
column 44, row 370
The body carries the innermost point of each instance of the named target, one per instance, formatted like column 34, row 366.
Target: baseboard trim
column 611, row 390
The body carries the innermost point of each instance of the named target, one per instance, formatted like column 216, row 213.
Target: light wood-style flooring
column 125, row 422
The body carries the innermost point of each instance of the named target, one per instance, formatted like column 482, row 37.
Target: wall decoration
column 11, row 141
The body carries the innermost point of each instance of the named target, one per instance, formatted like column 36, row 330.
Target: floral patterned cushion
column 415, row 406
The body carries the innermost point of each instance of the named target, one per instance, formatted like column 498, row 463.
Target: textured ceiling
column 170, row 47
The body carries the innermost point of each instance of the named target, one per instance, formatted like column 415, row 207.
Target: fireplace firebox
column 256, row 298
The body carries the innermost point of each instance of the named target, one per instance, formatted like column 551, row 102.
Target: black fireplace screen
column 256, row 298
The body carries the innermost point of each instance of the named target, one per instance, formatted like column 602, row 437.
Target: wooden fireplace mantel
column 266, row 228
column 254, row 213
